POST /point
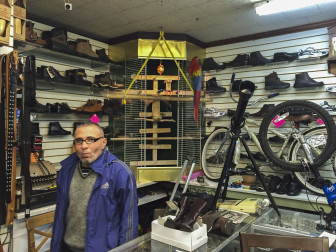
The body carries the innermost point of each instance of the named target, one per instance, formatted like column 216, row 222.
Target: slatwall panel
column 316, row 68
column 56, row 148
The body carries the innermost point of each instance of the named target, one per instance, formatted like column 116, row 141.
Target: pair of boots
column 217, row 223
column 50, row 73
column 187, row 216
column 57, row 39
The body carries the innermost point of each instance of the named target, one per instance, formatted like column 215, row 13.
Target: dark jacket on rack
column 112, row 213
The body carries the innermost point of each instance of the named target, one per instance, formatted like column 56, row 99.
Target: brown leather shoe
column 104, row 80
column 91, row 106
column 224, row 225
column 83, row 48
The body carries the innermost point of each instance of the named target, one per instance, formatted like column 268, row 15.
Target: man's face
column 88, row 153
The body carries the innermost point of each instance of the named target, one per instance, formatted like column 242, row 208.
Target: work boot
column 283, row 56
column 210, row 64
column 91, row 106
column 209, row 218
column 78, row 76
column 104, row 80
column 240, row 60
column 256, row 59
column 262, row 112
column 56, row 129
column 103, row 56
column 83, row 48
column 272, row 81
column 303, row 80
column 185, row 205
column 56, row 76
column 57, row 39
column 213, row 87
column 189, row 219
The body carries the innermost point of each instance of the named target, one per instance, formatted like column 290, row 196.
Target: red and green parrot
column 195, row 73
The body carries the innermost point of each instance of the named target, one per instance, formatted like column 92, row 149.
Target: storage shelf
column 27, row 48
column 149, row 198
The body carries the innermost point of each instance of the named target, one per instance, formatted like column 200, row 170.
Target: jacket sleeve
column 58, row 226
column 128, row 202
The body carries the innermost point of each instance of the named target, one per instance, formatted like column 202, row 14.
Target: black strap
column 3, row 209
column 29, row 99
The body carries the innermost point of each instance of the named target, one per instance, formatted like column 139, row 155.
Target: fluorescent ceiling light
column 276, row 6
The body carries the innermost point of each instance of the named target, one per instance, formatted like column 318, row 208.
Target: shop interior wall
column 316, row 68
column 56, row 148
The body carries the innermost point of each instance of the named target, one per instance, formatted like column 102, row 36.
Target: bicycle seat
column 231, row 113
column 300, row 118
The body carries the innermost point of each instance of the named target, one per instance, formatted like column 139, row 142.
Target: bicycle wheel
column 327, row 170
column 214, row 153
column 290, row 120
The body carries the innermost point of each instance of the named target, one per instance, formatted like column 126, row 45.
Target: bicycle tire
column 212, row 161
column 327, row 170
column 297, row 110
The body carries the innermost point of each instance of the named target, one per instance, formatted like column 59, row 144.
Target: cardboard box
column 184, row 240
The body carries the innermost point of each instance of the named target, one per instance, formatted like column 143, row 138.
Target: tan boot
column 84, row 48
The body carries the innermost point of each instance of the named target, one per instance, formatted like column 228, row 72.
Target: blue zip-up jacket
column 112, row 214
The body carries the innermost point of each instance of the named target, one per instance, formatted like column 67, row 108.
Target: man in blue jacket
column 96, row 207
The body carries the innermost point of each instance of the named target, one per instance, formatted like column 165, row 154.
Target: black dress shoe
column 262, row 112
column 303, row 80
column 256, row 59
column 283, row 56
column 56, row 129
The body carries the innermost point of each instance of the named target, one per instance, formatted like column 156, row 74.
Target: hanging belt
column 25, row 150
column 3, row 209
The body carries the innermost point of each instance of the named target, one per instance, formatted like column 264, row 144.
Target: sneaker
column 311, row 52
column 331, row 89
column 331, row 109
column 213, row 113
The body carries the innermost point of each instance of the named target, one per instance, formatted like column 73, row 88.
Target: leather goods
column 83, row 48
column 303, row 80
column 184, row 208
column 31, row 36
column 284, row 56
column 211, row 64
column 224, row 225
column 272, row 81
column 56, row 129
column 39, row 108
column 102, row 56
column 262, row 112
column 213, row 87
column 209, row 218
column 78, row 76
column 256, row 59
column 190, row 217
column 57, row 40
column 240, row 60
column 91, row 106
column 113, row 106
column 104, row 81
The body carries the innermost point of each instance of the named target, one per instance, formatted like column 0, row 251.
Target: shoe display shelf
column 28, row 48
column 301, row 201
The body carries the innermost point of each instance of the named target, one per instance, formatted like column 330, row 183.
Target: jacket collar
column 105, row 159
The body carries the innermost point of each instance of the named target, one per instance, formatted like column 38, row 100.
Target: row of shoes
column 257, row 59
column 76, row 76
column 57, row 39
column 110, row 107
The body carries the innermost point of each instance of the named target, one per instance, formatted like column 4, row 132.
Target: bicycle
column 297, row 139
column 306, row 131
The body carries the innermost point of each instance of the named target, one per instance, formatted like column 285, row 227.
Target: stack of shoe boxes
column 5, row 17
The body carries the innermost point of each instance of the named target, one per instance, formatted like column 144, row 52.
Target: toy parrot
column 195, row 73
